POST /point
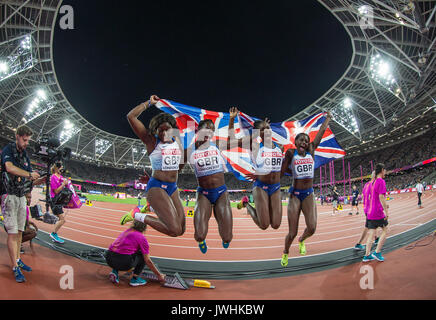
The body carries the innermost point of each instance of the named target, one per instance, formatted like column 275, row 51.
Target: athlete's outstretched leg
column 275, row 209
column 294, row 208
column 180, row 211
column 202, row 214
column 224, row 217
column 168, row 220
column 260, row 214
column 310, row 215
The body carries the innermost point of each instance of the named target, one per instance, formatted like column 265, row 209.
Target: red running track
column 99, row 226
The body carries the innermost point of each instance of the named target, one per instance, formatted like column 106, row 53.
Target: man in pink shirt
column 365, row 196
column 377, row 214
column 57, row 183
column 131, row 250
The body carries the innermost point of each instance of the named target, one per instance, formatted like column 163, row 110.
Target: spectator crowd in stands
column 395, row 156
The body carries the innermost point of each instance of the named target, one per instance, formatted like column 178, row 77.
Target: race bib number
column 171, row 159
column 272, row 161
column 207, row 161
column 304, row 166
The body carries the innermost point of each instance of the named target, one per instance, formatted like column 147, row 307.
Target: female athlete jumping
column 301, row 163
column 165, row 152
column 267, row 157
column 209, row 165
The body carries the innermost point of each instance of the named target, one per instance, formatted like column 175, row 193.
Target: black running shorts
column 374, row 224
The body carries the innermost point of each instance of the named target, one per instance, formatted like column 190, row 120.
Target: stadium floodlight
column 68, row 131
column 381, row 71
column 16, row 55
column 38, row 106
column 25, row 43
column 101, row 146
column 343, row 114
column 3, row 67
column 364, row 10
column 348, row 103
column 42, row 94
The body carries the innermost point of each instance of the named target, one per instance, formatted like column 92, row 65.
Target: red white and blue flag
column 239, row 160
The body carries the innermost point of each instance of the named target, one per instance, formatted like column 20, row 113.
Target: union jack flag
column 239, row 160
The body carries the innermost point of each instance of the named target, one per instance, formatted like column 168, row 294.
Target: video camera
column 48, row 150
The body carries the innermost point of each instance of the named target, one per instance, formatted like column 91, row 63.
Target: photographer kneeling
column 57, row 184
column 15, row 169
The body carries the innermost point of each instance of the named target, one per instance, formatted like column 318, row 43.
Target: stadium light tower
column 68, row 131
column 381, row 71
column 101, row 146
column 4, row 68
column 343, row 114
column 38, row 106
column 16, row 55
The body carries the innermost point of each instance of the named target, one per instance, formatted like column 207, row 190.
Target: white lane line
column 233, row 261
column 190, row 233
column 246, row 248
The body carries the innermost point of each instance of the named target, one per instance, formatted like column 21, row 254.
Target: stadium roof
column 386, row 92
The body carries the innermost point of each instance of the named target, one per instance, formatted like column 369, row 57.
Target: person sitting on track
column 365, row 196
column 165, row 152
column 355, row 201
column 267, row 157
column 131, row 250
column 301, row 163
column 209, row 166
column 378, row 214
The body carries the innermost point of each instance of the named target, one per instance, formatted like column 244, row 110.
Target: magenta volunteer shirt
column 376, row 209
column 129, row 242
column 365, row 194
column 55, row 183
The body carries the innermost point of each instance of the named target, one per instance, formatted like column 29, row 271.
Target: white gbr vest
column 268, row 160
column 207, row 161
column 166, row 156
column 302, row 167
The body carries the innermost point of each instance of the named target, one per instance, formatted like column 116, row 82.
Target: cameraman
column 15, row 169
column 57, row 184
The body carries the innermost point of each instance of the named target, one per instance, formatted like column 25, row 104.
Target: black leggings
column 419, row 198
column 125, row 262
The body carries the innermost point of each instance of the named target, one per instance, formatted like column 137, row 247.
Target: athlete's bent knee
column 311, row 230
column 275, row 225
column 175, row 231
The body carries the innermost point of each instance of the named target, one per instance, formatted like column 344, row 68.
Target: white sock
column 140, row 216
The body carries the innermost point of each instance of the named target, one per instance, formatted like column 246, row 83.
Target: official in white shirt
column 420, row 191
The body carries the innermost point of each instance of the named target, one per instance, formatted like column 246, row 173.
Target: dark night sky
column 267, row 58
